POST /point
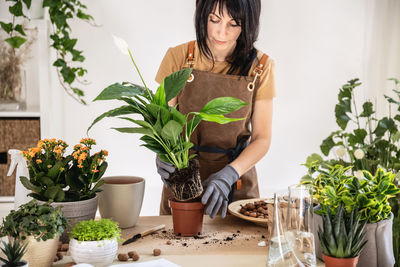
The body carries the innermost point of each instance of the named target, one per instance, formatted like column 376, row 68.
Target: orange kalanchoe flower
column 95, row 171
column 80, row 166
column 38, row 161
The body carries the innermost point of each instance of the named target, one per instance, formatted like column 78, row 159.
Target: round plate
column 235, row 207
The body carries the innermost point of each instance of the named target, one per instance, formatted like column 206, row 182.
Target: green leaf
column 221, row 119
column 341, row 110
column 191, row 126
column 27, row 3
column 51, row 192
column 19, row 29
column 385, row 124
column 175, row 82
column 358, row 137
column 171, row 130
column 156, row 111
column 223, row 105
column 123, row 110
column 179, row 117
column 28, row 185
column 327, row 145
column 67, row 74
column 69, row 43
column 313, row 159
column 15, row 41
column 135, row 130
column 46, row 180
column 55, row 170
column 60, row 63
column 159, row 97
column 117, row 90
column 368, row 109
column 16, row 9
column 152, row 144
column 7, row 27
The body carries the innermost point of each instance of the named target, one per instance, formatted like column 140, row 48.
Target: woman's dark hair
column 246, row 13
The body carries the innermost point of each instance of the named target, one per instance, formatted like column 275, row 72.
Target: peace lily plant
column 165, row 130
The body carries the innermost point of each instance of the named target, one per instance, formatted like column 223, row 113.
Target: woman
column 225, row 63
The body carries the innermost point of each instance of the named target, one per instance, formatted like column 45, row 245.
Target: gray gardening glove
column 218, row 186
column 164, row 169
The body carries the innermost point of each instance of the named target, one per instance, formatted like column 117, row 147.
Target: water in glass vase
column 302, row 244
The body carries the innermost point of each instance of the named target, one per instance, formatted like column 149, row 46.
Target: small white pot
column 25, row 264
column 99, row 253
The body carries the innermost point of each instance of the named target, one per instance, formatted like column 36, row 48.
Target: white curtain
column 382, row 50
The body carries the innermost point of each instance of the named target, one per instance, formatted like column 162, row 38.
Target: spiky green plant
column 342, row 235
column 13, row 252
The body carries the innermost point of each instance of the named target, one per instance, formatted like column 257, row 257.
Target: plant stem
column 137, row 69
column 355, row 109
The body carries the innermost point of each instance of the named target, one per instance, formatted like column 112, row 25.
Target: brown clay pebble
column 132, row 253
column 156, row 252
column 55, row 259
column 60, row 256
column 64, row 247
column 135, row 257
column 59, row 245
column 169, row 242
column 69, row 264
column 123, row 257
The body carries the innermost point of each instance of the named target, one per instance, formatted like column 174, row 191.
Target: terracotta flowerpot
column 340, row 262
column 75, row 212
column 187, row 217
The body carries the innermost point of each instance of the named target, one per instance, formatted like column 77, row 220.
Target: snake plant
column 342, row 235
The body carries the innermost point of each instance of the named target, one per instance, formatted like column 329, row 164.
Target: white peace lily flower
column 121, row 44
column 340, row 152
column 359, row 174
column 359, row 154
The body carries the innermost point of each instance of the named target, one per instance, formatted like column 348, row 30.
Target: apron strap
column 190, row 54
column 257, row 72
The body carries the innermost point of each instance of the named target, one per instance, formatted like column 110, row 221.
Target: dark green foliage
column 43, row 222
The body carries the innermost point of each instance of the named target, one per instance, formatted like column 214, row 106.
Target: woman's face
column 222, row 31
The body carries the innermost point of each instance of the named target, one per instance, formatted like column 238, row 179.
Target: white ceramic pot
column 25, row 264
column 98, row 253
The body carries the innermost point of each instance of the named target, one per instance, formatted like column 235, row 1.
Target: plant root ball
column 123, row 257
column 157, row 252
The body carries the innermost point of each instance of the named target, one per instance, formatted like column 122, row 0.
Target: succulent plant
column 342, row 235
column 13, row 252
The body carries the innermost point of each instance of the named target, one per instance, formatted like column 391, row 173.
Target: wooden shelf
column 32, row 113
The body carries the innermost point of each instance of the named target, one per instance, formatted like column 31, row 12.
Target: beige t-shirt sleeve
column 266, row 89
column 171, row 62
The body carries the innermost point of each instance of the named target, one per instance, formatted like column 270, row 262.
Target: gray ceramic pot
column 121, row 199
column 378, row 252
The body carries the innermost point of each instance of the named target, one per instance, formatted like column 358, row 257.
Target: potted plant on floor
column 341, row 238
column 13, row 252
column 368, row 195
column 70, row 181
column 167, row 132
column 39, row 227
column 95, row 242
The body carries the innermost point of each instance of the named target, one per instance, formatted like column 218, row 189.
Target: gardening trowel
column 144, row 233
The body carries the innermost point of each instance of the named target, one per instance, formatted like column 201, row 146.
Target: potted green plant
column 167, row 132
column 13, row 252
column 68, row 57
column 37, row 225
column 369, row 196
column 70, row 181
column 95, row 242
column 341, row 238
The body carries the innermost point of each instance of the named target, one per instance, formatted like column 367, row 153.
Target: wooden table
column 224, row 242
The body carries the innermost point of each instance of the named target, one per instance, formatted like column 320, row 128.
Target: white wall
column 317, row 47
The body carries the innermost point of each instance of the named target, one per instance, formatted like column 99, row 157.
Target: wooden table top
column 224, row 242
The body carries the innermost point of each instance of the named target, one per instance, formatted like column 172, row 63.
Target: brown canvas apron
column 204, row 87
